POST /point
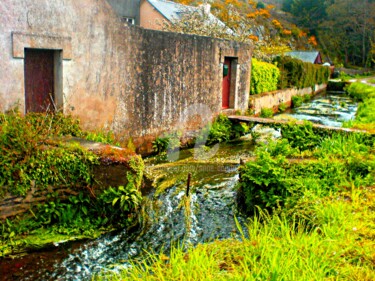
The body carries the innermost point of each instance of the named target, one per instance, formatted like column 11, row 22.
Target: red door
column 226, row 83
column 39, row 84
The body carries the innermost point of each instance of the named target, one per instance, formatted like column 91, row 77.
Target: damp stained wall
column 138, row 83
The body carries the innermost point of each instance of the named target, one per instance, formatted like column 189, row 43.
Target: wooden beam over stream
column 270, row 121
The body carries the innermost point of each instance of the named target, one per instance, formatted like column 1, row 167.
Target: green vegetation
column 297, row 101
column 333, row 23
column 266, row 112
column 299, row 74
column 340, row 247
column 103, row 137
column 264, row 77
column 25, row 160
column 311, row 198
column 365, row 116
column 170, row 141
column 222, row 130
column 33, row 156
column 282, row 107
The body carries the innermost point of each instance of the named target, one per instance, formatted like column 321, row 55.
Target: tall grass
column 325, row 232
column 333, row 239
column 365, row 117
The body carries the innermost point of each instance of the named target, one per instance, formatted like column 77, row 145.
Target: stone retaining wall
column 275, row 98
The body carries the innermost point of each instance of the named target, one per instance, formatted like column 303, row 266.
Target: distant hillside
column 263, row 23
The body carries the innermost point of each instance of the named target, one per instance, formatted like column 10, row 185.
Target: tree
column 348, row 30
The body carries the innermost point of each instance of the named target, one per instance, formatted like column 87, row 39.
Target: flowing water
column 328, row 108
column 208, row 212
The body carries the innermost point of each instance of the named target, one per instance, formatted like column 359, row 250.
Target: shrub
column 282, row 107
column 264, row 77
column 269, row 182
column 220, row 130
column 167, row 142
column 299, row 74
column 29, row 153
column 297, row 101
column 301, row 137
column 341, row 161
column 266, row 112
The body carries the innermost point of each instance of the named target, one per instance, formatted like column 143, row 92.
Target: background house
column 306, row 56
column 127, row 10
column 154, row 12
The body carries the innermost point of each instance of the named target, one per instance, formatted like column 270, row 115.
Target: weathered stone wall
column 275, row 98
column 176, row 80
column 138, row 83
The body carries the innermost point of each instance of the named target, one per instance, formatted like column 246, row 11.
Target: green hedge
column 299, row 74
column 264, row 77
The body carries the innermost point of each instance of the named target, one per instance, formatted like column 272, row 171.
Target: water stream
column 207, row 214
column 328, row 108
column 210, row 214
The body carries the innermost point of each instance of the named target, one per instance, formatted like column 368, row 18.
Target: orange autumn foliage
column 253, row 38
column 312, row 40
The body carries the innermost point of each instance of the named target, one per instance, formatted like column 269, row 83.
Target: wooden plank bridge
column 270, row 121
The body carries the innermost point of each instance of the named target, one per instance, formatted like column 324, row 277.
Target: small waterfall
column 212, row 207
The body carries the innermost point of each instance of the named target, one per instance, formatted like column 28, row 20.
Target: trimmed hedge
column 264, row 77
column 299, row 74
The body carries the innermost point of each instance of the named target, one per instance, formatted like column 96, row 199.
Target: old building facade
column 79, row 57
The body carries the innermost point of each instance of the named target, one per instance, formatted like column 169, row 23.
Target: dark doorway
column 39, row 80
column 226, row 82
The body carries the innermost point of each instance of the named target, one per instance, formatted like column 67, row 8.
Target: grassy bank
column 310, row 199
column 365, row 117
column 33, row 157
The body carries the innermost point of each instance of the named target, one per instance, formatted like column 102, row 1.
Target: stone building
column 79, row 57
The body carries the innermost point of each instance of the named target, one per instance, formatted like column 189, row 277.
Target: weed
column 266, row 112
column 297, row 101
column 282, row 107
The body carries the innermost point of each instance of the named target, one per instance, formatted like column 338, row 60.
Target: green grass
column 340, row 246
column 328, row 233
column 365, row 116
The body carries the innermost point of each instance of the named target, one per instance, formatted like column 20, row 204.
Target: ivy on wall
column 299, row 74
column 264, row 77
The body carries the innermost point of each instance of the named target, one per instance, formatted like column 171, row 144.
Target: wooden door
column 226, row 83
column 39, row 80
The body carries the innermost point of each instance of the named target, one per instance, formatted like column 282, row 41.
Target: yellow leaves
column 251, row 15
column 277, row 24
column 164, row 257
column 185, row 2
column 235, row 3
column 263, row 13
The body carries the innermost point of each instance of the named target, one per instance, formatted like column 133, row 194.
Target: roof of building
column 306, row 56
column 174, row 11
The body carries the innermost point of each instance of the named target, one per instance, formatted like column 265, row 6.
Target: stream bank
column 207, row 214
